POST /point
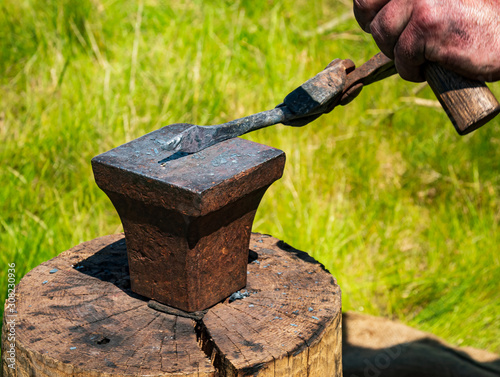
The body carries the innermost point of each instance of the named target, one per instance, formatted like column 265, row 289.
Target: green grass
column 402, row 210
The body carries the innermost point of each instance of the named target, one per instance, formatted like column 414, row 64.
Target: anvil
column 187, row 218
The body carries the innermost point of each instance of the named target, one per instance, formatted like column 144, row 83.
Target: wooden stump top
column 77, row 315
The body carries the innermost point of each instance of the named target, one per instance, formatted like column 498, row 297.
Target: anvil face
column 187, row 218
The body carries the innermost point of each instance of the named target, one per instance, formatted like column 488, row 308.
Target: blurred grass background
column 402, row 210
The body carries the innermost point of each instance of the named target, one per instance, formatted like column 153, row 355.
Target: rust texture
column 187, row 218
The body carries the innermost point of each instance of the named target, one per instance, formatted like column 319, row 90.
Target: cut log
column 78, row 316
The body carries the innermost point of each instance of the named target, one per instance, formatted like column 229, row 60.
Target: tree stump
column 78, row 316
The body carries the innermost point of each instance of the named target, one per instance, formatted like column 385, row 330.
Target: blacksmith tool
column 468, row 103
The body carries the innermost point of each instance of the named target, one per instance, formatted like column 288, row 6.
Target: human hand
column 460, row 35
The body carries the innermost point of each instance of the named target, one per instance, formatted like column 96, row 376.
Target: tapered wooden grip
column 468, row 103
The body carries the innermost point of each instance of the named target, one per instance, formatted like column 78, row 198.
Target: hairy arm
column 461, row 35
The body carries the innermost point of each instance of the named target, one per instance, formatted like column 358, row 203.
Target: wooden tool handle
column 468, row 103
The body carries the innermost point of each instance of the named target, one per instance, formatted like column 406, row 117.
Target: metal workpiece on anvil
column 187, row 217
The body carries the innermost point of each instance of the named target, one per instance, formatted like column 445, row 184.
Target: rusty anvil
column 187, row 219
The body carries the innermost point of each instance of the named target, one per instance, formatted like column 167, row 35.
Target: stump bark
column 78, row 316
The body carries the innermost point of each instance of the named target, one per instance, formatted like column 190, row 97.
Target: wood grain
column 468, row 103
column 78, row 316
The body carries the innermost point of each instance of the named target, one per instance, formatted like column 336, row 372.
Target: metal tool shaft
column 307, row 102
column 197, row 138
column 249, row 123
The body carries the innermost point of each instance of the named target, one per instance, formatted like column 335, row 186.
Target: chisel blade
column 191, row 140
